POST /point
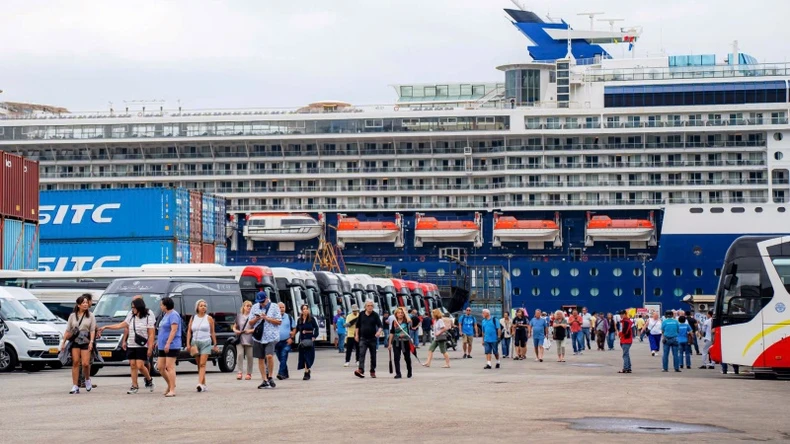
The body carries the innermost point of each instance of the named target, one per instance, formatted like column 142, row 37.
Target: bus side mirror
column 732, row 269
column 730, row 282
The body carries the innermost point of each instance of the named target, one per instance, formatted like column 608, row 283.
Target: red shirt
column 575, row 323
column 627, row 325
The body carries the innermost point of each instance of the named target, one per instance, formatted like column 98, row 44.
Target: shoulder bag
column 138, row 339
column 305, row 344
column 76, row 337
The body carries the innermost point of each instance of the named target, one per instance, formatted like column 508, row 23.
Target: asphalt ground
column 524, row 401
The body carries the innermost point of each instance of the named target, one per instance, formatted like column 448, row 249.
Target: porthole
column 696, row 210
column 678, row 292
column 657, row 272
column 717, row 210
column 536, row 271
column 422, row 272
column 637, row 272
column 618, row 292
column 535, row 291
column 777, row 136
column 657, row 292
column 555, row 272
column 574, row 292
column 593, row 272
column 440, row 272
column 516, row 272
column 637, row 292
column 697, row 291
column 617, row 272
column 517, row 291
column 593, row 292
column 758, row 209
column 779, row 155
column 717, row 272
column 555, row 291
column 737, row 210
column 781, row 209
column 698, row 272
column 677, row 272
column 697, row 250
column 574, row 272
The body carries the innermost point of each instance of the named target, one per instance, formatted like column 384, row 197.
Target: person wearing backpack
column 560, row 329
column 139, row 342
column 283, row 347
column 626, row 340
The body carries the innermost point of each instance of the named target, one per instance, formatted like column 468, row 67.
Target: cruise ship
column 591, row 180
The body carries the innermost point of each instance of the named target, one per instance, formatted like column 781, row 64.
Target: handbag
column 138, row 339
column 193, row 349
column 76, row 336
column 305, row 344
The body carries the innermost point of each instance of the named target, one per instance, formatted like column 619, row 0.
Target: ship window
column 737, row 210
column 555, row 272
column 517, row 291
column 440, row 272
column 717, row 272
column 637, row 292
column 516, row 272
column 678, row 292
column 778, row 137
column 555, row 291
column 618, row 292
column 637, row 271
column 657, row 292
column 593, row 292
column 535, row 291
column 574, row 292
column 696, row 210
column 758, row 210
column 781, row 209
column 717, row 210
column 698, row 272
column 697, row 250
column 422, row 272
column 574, row 272
column 698, row 291
column 778, row 155
column 257, row 223
column 536, row 272
column 657, row 272
column 617, row 272
column 677, row 272
column 593, row 272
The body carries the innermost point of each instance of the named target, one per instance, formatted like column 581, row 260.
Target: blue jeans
column 626, row 356
column 586, row 333
column 415, row 337
column 505, row 347
column 282, row 349
column 341, row 342
column 610, row 340
column 685, row 354
column 577, row 339
column 671, row 346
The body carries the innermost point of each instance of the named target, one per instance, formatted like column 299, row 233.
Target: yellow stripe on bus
column 767, row 331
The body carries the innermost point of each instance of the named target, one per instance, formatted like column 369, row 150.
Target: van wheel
column 57, row 365
column 155, row 364
column 33, row 366
column 95, row 369
column 8, row 360
column 227, row 361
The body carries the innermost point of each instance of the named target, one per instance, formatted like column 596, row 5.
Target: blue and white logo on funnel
column 780, row 307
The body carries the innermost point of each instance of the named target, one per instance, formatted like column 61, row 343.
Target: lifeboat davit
column 430, row 229
column 350, row 229
column 636, row 231
column 281, row 227
column 535, row 232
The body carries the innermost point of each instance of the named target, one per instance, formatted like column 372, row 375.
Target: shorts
column 173, row 353
column 80, row 346
column 203, row 346
column 261, row 350
column 520, row 341
column 537, row 342
column 441, row 344
column 137, row 353
column 490, row 348
column 467, row 339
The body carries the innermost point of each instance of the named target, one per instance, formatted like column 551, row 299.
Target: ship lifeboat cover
column 353, row 224
column 602, row 222
column 430, row 223
column 511, row 223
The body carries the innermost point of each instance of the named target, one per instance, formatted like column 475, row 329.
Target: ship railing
column 690, row 72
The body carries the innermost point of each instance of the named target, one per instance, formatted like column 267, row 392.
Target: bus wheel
column 765, row 376
column 227, row 360
column 154, row 368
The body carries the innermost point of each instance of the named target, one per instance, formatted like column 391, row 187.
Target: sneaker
column 280, row 377
column 703, row 367
column 469, row 356
column 372, row 374
column 398, row 377
column 497, row 365
column 306, row 376
column 654, row 353
column 346, row 364
column 132, row 390
column 464, row 357
column 664, row 371
column 271, row 383
column 677, row 370
column 688, row 366
column 88, row 385
column 205, row 389
column 487, row 367
column 149, row 384
column 356, row 363
column 264, row 385
column 74, row 390
column 199, row 388
column 358, row 373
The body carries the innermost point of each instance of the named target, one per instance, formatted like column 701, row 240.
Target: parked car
column 28, row 343
column 40, row 312
column 223, row 297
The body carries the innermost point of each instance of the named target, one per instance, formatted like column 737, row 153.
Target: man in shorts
column 468, row 331
column 263, row 344
column 490, row 338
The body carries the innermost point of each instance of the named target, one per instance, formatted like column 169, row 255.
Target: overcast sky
column 256, row 53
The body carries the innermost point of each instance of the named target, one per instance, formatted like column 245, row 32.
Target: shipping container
column 220, row 254
column 11, row 185
column 143, row 213
column 86, row 255
column 30, row 180
column 220, row 210
column 195, row 253
column 31, row 246
column 209, row 219
column 195, row 216
column 183, row 253
column 207, row 253
column 20, row 245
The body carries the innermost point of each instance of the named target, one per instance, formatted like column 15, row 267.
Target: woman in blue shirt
column 169, row 344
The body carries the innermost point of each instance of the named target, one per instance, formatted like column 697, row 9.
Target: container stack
column 19, row 236
column 85, row 229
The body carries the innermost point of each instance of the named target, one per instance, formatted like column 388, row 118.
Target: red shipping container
column 11, row 189
column 30, row 194
column 195, row 253
column 208, row 253
column 195, row 218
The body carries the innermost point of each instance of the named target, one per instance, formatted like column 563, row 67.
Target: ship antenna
column 591, row 15
column 611, row 22
column 519, row 5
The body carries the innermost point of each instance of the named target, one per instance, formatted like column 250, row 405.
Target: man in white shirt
column 586, row 325
column 707, row 340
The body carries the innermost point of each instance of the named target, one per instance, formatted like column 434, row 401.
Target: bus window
column 782, row 267
column 313, row 303
column 744, row 296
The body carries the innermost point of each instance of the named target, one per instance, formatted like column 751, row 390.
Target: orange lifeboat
column 351, row 229
column 430, row 229
column 604, row 228
column 510, row 229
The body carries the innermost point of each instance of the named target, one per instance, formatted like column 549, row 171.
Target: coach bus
column 751, row 322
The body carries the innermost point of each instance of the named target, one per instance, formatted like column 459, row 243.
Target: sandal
column 238, row 377
column 248, row 377
column 427, row 365
column 170, row 395
column 445, row 366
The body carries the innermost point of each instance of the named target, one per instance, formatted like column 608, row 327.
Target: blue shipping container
column 183, row 253
column 220, row 254
column 114, row 214
column 20, row 245
column 209, row 219
column 86, row 255
column 31, row 247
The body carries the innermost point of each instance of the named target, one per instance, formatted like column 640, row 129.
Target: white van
column 27, row 341
column 36, row 308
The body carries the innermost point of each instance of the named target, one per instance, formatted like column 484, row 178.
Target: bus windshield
column 313, row 303
column 117, row 306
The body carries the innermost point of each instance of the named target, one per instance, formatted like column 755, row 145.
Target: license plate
column 53, row 351
column 105, row 354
